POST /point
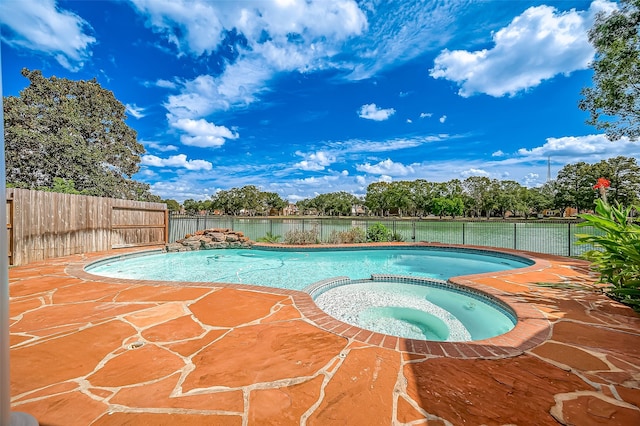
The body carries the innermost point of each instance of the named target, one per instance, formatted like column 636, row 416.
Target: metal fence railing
column 544, row 236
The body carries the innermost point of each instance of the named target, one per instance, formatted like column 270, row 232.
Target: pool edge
column 531, row 330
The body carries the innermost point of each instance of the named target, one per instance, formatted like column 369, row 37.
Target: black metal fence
column 542, row 236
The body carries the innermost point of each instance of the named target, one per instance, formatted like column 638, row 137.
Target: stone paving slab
column 87, row 350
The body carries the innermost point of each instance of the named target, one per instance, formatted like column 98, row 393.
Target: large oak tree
column 614, row 100
column 72, row 130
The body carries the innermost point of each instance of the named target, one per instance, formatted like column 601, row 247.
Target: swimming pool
column 296, row 269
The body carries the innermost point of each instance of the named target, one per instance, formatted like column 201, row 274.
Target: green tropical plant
column 616, row 254
column 378, row 233
column 269, row 238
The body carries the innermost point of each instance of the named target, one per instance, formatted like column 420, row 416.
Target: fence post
column 413, row 230
column 569, row 239
column 463, row 239
column 515, row 232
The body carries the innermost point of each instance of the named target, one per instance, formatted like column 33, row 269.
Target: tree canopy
column 60, row 130
column 248, row 200
column 614, row 100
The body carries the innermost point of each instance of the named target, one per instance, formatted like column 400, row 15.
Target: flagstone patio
column 87, row 350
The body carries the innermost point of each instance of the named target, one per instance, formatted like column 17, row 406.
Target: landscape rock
column 210, row 239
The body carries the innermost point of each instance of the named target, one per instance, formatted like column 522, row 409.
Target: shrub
column 617, row 251
column 396, row 236
column 378, row 233
column 269, row 238
column 299, row 237
column 352, row 236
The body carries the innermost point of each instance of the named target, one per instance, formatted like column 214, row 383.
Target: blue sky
column 302, row 98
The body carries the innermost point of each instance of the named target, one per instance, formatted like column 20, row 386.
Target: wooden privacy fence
column 42, row 225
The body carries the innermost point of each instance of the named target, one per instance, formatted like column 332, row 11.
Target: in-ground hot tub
column 410, row 307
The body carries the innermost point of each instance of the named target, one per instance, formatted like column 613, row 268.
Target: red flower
column 602, row 183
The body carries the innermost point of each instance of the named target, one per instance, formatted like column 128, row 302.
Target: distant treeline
column 474, row 196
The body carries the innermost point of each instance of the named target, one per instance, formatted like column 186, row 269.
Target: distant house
column 568, row 212
column 551, row 213
column 358, row 210
column 290, row 210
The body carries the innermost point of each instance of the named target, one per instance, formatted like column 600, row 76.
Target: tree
column 574, row 186
column 482, row 192
column 399, row 196
column 73, row 130
column 376, row 199
column 422, row 194
column 624, row 175
column 172, row 205
column 614, row 101
column 220, row 200
column 539, row 199
column 63, row 186
column 272, row 201
column 192, row 206
column 509, row 197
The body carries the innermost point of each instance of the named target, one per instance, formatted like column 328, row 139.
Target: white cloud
column 359, row 145
column 41, row 26
column 425, row 114
column 498, row 153
column 165, row 84
column 372, row 112
column 202, row 133
column 443, row 119
column 536, row 46
column 531, row 179
column 409, row 121
column 582, row 148
column 182, row 188
column 386, row 167
column 198, row 27
column 315, row 161
column 179, row 161
column 474, row 172
column 276, row 37
column 238, row 86
column 400, row 31
column 361, row 180
column 158, row 146
column 135, row 111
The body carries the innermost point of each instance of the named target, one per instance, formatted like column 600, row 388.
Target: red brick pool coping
column 95, row 350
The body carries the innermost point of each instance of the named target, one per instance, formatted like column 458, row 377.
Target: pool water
column 298, row 269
